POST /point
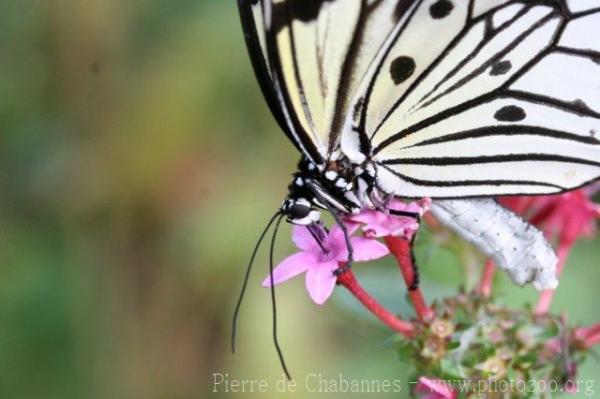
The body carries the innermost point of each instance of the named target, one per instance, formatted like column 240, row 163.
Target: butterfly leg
column 348, row 264
column 414, row 215
column 417, row 216
column 339, row 222
column 414, row 285
column 380, row 204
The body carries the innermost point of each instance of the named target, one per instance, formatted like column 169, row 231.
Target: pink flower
column 381, row 224
column 434, row 389
column 554, row 346
column 566, row 216
column 588, row 336
column 320, row 261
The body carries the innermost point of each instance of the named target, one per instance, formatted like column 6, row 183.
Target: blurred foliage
column 138, row 163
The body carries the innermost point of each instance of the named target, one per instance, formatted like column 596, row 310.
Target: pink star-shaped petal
column 380, row 224
column 434, row 389
column 319, row 263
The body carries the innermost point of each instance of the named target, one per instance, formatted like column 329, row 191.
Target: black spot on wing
column 288, row 11
column 500, row 68
column 402, row 68
column 401, row 9
column 510, row 113
column 441, row 9
column 306, row 10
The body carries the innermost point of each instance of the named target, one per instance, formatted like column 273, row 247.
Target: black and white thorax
column 337, row 185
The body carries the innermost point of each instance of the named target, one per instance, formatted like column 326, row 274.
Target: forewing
column 251, row 15
column 509, row 105
column 312, row 54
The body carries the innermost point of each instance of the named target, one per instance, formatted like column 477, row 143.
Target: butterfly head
column 300, row 211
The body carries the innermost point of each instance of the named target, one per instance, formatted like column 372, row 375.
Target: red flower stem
column 348, row 280
column 485, row 285
column 432, row 222
column 542, row 214
column 401, row 249
column 546, row 297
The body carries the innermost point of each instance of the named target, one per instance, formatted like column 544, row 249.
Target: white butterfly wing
column 315, row 53
column 253, row 24
column 503, row 98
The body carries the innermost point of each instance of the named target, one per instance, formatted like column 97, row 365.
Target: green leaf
column 406, row 351
column 452, row 345
column 452, row 369
column 550, row 332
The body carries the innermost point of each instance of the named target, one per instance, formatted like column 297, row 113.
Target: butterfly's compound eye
column 298, row 211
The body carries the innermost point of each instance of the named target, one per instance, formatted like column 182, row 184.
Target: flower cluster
column 467, row 337
column 321, row 251
column 473, row 344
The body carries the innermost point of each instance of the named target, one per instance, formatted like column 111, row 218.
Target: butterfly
column 429, row 98
column 447, row 99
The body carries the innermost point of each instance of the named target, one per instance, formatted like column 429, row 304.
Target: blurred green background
column 138, row 163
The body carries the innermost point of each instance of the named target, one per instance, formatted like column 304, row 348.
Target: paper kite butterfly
column 456, row 100
column 429, row 98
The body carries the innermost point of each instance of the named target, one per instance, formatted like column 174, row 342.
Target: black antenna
column 245, row 283
column 273, row 302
